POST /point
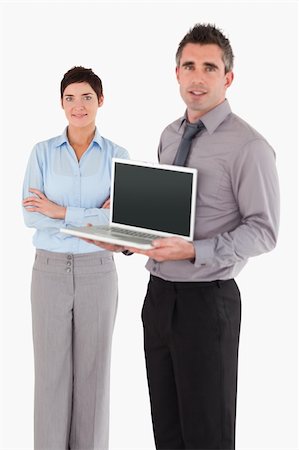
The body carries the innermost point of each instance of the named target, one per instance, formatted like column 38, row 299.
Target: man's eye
column 87, row 97
column 68, row 99
column 189, row 67
column 210, row 69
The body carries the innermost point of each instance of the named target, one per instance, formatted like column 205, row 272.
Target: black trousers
column 191, row 338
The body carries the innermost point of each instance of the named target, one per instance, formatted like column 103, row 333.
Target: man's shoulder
column 242, row 128
column 173, row 127
column 239, row 137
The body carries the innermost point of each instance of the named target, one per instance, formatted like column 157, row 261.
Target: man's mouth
column 197, row 92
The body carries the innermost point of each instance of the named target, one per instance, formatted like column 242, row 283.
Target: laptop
column 147, row 201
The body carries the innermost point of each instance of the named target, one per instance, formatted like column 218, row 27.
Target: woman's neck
column 80, row 139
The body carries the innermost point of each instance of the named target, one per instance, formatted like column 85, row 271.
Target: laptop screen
column 153, row 197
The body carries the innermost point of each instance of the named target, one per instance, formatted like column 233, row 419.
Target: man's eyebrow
column 206, row 64
column 188, row 63
column 212, row 65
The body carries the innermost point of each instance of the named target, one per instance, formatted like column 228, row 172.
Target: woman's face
column 80, row 104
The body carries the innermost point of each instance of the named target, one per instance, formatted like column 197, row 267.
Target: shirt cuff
column 74, row 215
column 204, row 252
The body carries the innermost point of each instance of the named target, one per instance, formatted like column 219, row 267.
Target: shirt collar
column 62, row 139
column 213, row 118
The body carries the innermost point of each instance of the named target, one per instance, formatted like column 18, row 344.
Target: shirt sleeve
column 34, row 179
column 76, row 216
column 256, row 189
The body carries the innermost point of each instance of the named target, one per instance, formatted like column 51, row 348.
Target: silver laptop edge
column 158, row 166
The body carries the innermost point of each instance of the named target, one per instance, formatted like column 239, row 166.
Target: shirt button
column 154, row 269
column 68, row 270
column 69, row 263
column 69, row 256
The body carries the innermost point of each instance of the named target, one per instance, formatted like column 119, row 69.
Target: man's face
column 80, row 104
column 202, row 78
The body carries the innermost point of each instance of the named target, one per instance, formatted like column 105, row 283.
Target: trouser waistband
column 189, row 284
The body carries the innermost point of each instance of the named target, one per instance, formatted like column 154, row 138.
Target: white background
column 132, row 47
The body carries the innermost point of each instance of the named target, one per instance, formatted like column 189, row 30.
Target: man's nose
column 197, row 76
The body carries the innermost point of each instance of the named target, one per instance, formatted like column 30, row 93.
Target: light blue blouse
column 82, row 187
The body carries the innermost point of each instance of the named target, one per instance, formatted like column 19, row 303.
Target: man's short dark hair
column 208, row 34
column 79, row 74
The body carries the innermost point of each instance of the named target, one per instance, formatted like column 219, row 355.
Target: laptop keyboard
column 129, row 233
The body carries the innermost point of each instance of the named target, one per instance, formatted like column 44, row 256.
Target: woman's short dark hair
column 207, row 34
column 79, row 74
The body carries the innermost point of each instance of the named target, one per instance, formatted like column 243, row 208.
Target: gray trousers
column 74, row 303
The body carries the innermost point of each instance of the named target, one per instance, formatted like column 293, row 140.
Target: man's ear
column 229, row 79
column 177, row 73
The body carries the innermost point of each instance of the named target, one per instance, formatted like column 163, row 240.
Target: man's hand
column 42, row 205
column 168, row 249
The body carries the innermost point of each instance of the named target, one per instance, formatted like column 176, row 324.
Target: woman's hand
column 106, row 204
column 42, row 205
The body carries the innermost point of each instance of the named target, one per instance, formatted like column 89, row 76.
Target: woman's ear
column 101, row 100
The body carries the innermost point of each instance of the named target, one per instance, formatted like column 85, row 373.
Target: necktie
column 191, row 130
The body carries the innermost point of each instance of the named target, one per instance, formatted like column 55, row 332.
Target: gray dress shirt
column 237, row 206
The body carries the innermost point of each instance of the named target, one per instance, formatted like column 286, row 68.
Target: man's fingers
column 167, row 242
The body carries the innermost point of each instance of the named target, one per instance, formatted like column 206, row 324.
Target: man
column 191, row 313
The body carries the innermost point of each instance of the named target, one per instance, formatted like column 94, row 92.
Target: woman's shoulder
column 43, row 150
column 114, row 149
column 51, row 142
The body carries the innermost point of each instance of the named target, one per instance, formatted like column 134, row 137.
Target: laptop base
column 112, row 237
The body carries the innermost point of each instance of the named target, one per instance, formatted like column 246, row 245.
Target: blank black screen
column 152, row 198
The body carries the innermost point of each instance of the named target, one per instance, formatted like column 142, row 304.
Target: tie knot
column 192, row 129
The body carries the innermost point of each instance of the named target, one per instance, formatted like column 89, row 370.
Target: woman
column 74, row 284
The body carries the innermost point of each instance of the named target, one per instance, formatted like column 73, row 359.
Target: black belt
column 189, row 284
